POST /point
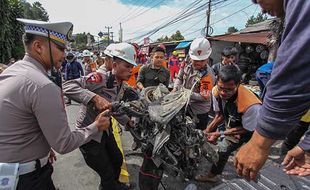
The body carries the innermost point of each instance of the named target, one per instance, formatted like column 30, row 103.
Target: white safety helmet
column 200, row 49
column 109, row 50
column 86, row 53
column 125, row 52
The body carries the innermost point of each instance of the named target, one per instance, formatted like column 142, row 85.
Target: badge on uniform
column 94, row 78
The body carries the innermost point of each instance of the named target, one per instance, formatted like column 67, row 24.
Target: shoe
column 206, row 178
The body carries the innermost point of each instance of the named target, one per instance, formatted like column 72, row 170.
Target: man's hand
column 297, row 162
column 101, row 103
column 212, row 137
column 173, row 90
column 103, row 121
column 52, row 158
column 252, row 156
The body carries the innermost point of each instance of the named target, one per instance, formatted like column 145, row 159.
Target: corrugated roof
column 258, row 27
column 257, row 38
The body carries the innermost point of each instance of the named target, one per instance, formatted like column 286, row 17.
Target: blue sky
column 93, row 15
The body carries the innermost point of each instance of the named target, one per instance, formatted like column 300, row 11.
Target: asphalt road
column 72, row 173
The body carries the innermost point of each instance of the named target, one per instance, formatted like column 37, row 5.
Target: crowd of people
column 34, row 121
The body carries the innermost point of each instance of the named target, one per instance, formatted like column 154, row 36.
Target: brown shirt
column 32, row 115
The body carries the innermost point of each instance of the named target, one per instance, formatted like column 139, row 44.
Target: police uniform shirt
column 32, row 115
column 187, row 77
column 84, row 89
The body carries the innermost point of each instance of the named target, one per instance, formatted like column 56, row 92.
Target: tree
column 177, row 36
column 34, row 11
column 256, row 19
column 80, row 41
column 163, row 39
column 231, row 30
column 12, row 30
column 174, row 37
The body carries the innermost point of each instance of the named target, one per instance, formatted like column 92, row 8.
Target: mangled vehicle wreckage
column 166, row 132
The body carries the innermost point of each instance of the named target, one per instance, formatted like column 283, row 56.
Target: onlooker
column 73, row 70
column 154, row 73
column 229, row 56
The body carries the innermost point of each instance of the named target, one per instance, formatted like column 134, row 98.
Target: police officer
column 199, row 77
column 102, row 153
column 32, row 113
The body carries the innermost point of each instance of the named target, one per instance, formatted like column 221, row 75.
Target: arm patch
column 94, row 78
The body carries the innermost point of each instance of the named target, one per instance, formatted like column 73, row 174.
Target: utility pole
column 108, row 27
column 208, row 19
column 120, row 34
column 112, row 36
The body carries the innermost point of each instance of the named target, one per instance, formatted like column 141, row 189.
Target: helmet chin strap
column 55, row 74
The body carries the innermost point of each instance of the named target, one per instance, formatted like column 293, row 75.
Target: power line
column 188, row 12
column 128, row 13
column 180, row 13
column 192, row 12
column 135, row 16
column 212, row 24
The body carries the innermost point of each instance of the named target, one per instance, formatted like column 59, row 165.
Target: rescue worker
column 287, row 96
column 229, row 57
column 173, row 65
column 200, row 77
column 108, row 59
column 237, row 107
column 32, row 113
column 154, row 73
column 132, row 81
column 89, row 65
column 99, row 60
column 102, row 153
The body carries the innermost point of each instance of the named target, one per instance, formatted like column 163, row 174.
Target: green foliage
column 34, row 11
column 231, row 30
column 80, row 41
column 256, row 19
column 177, row 36
column 174, row 37
column 11, row 30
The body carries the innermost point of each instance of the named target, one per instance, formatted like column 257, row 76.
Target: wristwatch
column 222, row 134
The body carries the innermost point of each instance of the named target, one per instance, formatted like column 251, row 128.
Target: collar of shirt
column 37, row 64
